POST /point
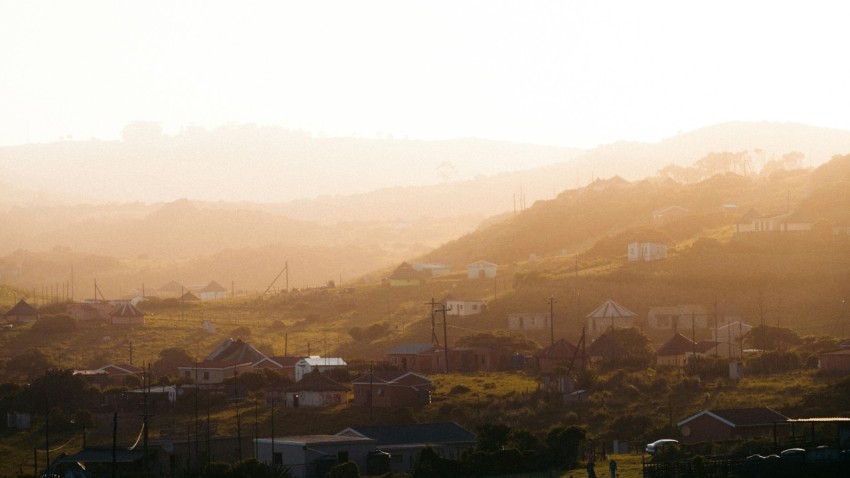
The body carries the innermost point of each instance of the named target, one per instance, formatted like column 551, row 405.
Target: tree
column 492, row 437
column 29, row 365
column 564, row 445
column 623, row 348
column 766, row 337
column 345, row 470
column 169, row 361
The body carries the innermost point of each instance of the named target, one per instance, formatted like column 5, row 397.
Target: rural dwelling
column 392, row 389
column 561, row 353
column 433, row 269
column 284, row 365
column 668, row 214
column 315, row 362
column 212, row 291
column 85, row 311
column 127, row 315
column 835, row 362
column 647, row 251
column 172, row 290
column 315, row 390
column 678, row 318
column 784, row 222
column 189, row 297
column 728, row 338
column 413, row 357
column 609, row 314
column 118, row 461
column 112, row 375
column 404, row 442
column 462, row 308
column 529, row 321
column 21, row 313
column 676, row 351
column 734, row 423
column 226, row 361
column 404, row 275
column 312, row 456
column 481, row 270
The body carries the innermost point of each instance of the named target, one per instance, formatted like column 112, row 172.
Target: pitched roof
column 317, row 361
column 213, row 287
column 741, row 417
column 559, row 350
column 189, row 296
column 404, row 271
column 610, row 309
column 677, row 345
column 126, row 310
column 232, row 352
column 22, row 308
column 172, row 286
column 410, row 349
column 316, row 382
column 413, row 434
column 482, row 264
column 120, row 369
column 393, row 377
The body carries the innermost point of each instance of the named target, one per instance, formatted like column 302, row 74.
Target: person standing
column 591, row 472
column 612, row 466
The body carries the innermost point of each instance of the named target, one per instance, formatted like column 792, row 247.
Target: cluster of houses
column 414, row 274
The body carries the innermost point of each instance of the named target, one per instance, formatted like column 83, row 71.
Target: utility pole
column 435, row 308
column 551, row 320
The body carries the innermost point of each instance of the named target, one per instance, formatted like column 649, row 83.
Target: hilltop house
column 481, row 270
column 127, row 314
column 609, row 314
column 793, row 221
column 647, row 251
column 529, row 321
column 404, row 275
column 677, row 317
column 392, row 389
column 434, row 269
column 462, row 308
column 213, row 291
column 730, row 423
column 668, row 214
column 228, row 360
column 21, row 313
column 315, row 362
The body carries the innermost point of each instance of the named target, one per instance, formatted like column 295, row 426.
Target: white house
column 529, row 321
column 310, row 456
column 481, row 270
column 647, row 251
column 728, row 338
column 212, row 291
column 315, row 362
column 678, row 317
column 785, row 222
column 434, row 268
column 464, row 307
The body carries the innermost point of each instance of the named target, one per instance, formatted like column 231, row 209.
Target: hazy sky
column 572, row 73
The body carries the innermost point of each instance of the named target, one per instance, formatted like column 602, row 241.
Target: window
column 206, row 375
column 187, row 374
column 474, row 306
column 277, row 458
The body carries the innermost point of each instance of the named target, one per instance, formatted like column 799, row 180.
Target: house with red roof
column 22, row 313
column 392, row 389
column 734, row 423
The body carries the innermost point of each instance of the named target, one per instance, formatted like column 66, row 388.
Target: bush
column 54, row 325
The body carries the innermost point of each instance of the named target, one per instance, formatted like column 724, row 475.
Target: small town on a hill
column 697, row 341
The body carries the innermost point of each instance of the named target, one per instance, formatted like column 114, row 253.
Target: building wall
column 529, row 321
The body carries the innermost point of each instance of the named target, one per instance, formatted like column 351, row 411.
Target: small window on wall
column 206, row 375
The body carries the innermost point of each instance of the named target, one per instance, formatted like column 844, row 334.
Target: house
column 481, row 270
column 677, row 317
column 647, row 251
column 609, row 314
column 392, row 389
column 285, row 365
column 413, row 357
column 676, row 351
column 728, row 338
column 732, row 423
column 178, row 454
column 561, row 353
column 315, row 390
column 85, row 311
column 21, row 313
column 127, row 314
column 120, row 461
column 309, row 456
column 213, row 291
column 529, row 321
column 668, row 214
column 794, row 221
column 404, row 442
column 172, row 290
column 462, row 308
column 434, row 269
column 404, row 275
column 835, row 362
column 315, row 362
column 226, row 361
column 112, row 375
column 189, row 296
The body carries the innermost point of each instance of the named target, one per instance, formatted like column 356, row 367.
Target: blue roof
column 404, row 349
column 416, row 433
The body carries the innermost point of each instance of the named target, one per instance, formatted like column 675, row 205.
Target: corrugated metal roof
column 610, row 309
